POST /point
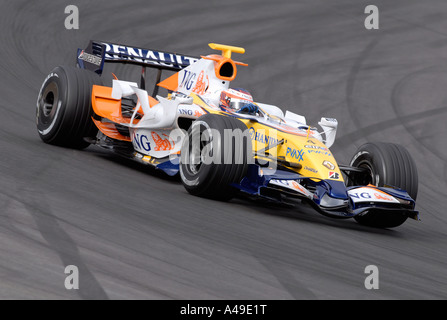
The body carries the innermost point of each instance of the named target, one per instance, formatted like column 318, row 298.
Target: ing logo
column 162, row 144
column 202, row 84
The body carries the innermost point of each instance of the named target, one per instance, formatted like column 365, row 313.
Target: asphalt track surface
column 135, row 234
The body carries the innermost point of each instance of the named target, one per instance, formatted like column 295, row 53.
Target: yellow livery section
column 305, row 155
column 226, row 50
column 296, row 149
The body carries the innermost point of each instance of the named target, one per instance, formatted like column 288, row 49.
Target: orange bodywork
column 170, row 83
column 379, row 194
column 220, row 61
column 109, row 129
column 108, row 108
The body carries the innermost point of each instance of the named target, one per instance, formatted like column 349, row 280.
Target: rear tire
column 388, row 164
column 64, row 108
column 209, row 136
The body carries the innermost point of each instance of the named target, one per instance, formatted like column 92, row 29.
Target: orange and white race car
column 219, row 139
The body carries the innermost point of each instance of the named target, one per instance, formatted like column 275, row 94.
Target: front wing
column 329, row 197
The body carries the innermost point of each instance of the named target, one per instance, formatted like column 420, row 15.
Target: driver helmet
column 235, row 99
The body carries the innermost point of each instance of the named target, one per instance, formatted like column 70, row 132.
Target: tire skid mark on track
column 47, row 228
column 58, row 240
column 426, row 146
column 297, row 289
column 397, row 107
column 363, row 132
column 352, row 78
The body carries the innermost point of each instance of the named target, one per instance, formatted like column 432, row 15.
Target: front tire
column 214, row 155
column 64, row 111
column 386, row 164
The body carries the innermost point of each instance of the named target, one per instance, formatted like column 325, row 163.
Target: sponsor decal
column 162, row 144
column 202, row 84
column 90, row 58
column 293, row 185
column 241, row 95
column 188, row 79
column 297, row 154
column 311, row 169
column 334, row 175
column 325, row 153
column 262, row 138
column 328, row 165
column 118, row 52
column 141, row 142
column 190, row 112
column 187, row 112
column 366, row 194
column 316, row 147
column 358, row 155
column 198, row 113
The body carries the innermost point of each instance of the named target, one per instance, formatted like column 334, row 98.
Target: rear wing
column 98, row 53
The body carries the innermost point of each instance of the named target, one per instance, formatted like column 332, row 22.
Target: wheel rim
column 48, row 103
column 194, row 158
column 372, row 177
column 198, row 140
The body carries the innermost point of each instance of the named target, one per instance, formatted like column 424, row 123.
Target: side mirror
column 329, row 126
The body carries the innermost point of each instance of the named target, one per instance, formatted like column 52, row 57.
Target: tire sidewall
column 70, row 120
column 215, row 178
column 371, row 158
column 49, row 124
column 190, row 179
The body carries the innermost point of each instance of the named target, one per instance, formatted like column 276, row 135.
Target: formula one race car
column 218, row 139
